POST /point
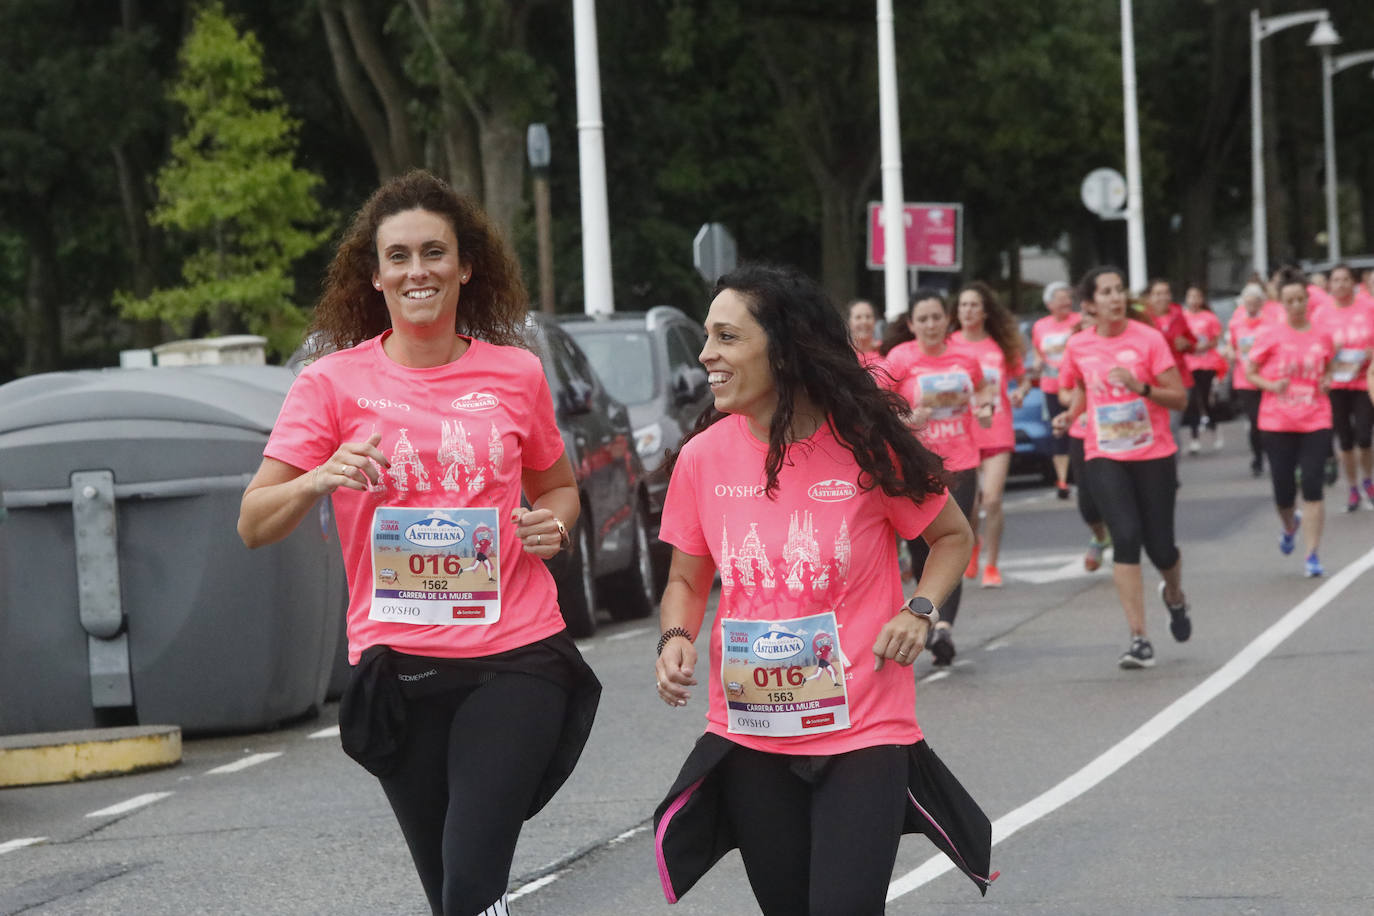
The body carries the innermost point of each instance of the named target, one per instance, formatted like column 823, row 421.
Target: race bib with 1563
column 436, row 566
column 783, row 677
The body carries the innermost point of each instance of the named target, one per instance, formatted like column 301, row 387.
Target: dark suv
column 610, row 558
column 648, row 360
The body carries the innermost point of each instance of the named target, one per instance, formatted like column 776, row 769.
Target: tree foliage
column 233, row 188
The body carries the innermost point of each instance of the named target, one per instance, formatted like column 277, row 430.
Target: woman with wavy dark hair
column 984, row 327
column 424, row 423
column 793, row 487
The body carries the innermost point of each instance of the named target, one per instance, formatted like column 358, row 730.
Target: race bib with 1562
column 783, row 677
column 436, row 566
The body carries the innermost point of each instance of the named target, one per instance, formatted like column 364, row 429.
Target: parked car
column 648, row 361
column 1034, row 438
column 610, row 561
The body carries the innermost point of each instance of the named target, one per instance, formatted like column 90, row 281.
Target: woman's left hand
column 537, row 530
column 901, row 639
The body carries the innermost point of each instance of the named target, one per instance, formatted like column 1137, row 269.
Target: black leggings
column 1249, row 402
column 1303, row 451
column 963, row 488
column 1137, row 503
column 1352, row 417
column 471, row 762
column 1199, row 396
column 1086, row 507
column 818, row 836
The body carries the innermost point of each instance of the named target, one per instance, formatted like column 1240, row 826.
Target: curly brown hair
column 997, row 320
column 351, row 310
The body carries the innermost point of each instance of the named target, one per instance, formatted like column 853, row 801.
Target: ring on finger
column 901, row 653
column 538, row 539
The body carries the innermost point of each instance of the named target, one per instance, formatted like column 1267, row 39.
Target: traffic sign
column 713, row 252
column 934, row 236
column 1104, row 193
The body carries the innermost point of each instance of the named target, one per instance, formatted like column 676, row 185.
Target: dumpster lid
column 247, row 397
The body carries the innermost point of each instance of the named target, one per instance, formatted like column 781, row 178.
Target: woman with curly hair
column 984, row 327
column 468, row 699
column 793, row 487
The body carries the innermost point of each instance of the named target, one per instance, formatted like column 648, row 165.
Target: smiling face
column 972, row 313
column 861, row 322
column 736, row 361
column 929, row 322
column 419, row 272
column 1109, row 301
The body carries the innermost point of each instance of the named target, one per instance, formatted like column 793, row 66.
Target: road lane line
column 628, row 634
column 934, row 676
column 1049, row 559
column 1165, row 721
column 134, row 803
column 244, row 764
column 330, row 732
column 11, row 845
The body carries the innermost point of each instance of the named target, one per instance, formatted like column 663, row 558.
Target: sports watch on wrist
column 564, row 541
column 923, row 608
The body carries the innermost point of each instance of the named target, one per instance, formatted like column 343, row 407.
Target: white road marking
column 633, row 831
column 330, row 732
column 535, row 885
column 250, row 761
column 132, row 804
column 933, row 676
column 1165, row 721
column 629, row 634
column 1049, row 559
column 1073, row 569
column 996, row 644
column 11, row 845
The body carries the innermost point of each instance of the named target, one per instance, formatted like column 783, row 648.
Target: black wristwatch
column 923, row 608
column 1145, row 390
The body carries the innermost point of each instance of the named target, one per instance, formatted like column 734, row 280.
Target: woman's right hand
column 356, row 465
column 674, row 671
column 1059, row 423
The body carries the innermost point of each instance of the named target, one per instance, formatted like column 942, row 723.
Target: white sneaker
column 1194, row 447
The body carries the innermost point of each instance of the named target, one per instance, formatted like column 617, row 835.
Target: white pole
column 1260, row 231
column 1135, row 205
column 1333, row 217
column 894, row 204
column 598, row 297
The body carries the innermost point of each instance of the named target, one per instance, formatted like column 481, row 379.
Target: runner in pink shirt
column 862, row 323
column 949, row 399
column 793, row 489
column 424, row 424
column 1251, row 316
column 1123, row 375
column 985, row 328
column 1099, row 538
column 1048, row 338
column 1206, row 364
column 1291, row 364
column 1349, row 322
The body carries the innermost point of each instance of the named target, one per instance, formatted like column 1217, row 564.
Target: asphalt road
column 1233, row 777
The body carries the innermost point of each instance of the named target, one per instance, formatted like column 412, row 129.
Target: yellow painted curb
column 40, row 759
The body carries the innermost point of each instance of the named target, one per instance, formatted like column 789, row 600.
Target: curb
column 42, row 759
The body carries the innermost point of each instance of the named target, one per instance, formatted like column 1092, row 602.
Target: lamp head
column 1324, row 35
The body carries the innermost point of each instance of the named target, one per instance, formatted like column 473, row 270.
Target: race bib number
column 1123, row 427
column 783, row 677
column 1347, row 365
column 436, row 566
column 945, row 393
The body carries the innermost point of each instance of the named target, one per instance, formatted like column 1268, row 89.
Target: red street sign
column 934, row 233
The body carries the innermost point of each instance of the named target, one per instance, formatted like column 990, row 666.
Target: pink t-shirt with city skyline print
column 823, row 546
column 458, row 437
column 1302, row 358
column 1122, row 425
column 946, row 385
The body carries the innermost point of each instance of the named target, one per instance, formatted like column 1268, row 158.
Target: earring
column 377, row 284
column 465, row 277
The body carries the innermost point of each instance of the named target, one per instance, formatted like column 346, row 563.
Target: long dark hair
column 809, row 354
column 494, row 300
column 899, row 332
column 1087, row 289
column 998, row 321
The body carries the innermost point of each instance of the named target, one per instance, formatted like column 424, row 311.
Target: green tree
column 233, row 190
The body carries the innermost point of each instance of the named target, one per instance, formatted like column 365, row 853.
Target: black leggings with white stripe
column 471, row 762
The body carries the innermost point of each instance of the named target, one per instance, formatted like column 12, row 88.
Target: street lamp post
column 894, row 205
column 1135, row 204
column 1260, row 29
column 1326, row 39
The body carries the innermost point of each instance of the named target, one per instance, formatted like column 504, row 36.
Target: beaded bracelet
column 669, row 634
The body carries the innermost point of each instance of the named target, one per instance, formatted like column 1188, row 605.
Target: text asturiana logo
column 776, row 645
column 475, row 400
column 832, row 491
column 435, row 532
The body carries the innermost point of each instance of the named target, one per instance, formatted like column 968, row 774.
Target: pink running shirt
column 823, row 545
column 1122, row 425
column 1049, row 335
column 1351, row 330
column 992, row 361
column 457, row 436
column 1206, row 327
column 1302, row 358
column 945, row 384
column 1244, row 331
